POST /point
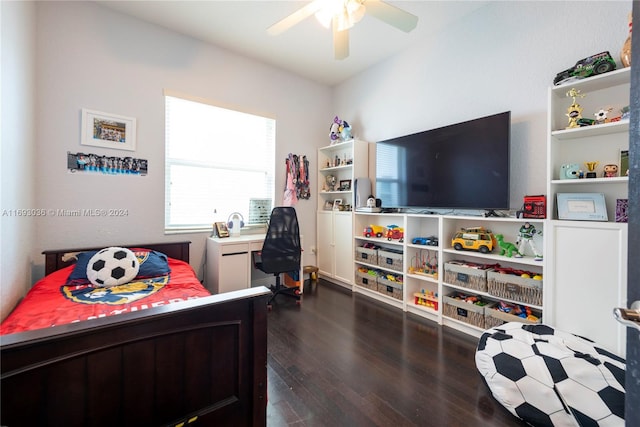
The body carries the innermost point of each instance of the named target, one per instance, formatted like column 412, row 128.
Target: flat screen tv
column 460, row 166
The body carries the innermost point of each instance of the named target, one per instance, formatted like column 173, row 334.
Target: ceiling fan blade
column 295, row 18
column 340, row 42
column 392, row 15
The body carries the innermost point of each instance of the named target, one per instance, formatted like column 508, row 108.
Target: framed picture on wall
column 108, row 130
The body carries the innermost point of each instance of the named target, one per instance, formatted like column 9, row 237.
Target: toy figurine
column 525, row 235
column 601, row 116
column 345, row 134
column 610, row 171
column 507, row 248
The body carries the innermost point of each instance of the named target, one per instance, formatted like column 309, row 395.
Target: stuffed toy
column 339, row 131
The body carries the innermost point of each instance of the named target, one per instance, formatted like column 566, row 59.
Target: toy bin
column 466, row 274
column 391, row 259
column 367, row 280
column 367, row 255
column 495, row 317
column 457, row 308
column 390, row 288
column 515, row 288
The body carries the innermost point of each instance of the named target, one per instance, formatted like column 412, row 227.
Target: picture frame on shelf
column 221, row 229
column 624, row 163
column 328, row 205
column 582, row 206
column 345, row 185
column 108, row 130
column 336, row 204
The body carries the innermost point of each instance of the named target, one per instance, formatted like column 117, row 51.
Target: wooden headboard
column 57, row 259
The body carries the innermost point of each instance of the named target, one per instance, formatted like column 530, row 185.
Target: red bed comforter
column 51, row 302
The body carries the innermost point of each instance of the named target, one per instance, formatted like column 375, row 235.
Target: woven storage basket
column 366, row 280
column 390, row 259
column 390, row 288
column 465, row 312
column 370, row 256
column 515, row 288
column 468, row 277
column 494, row 317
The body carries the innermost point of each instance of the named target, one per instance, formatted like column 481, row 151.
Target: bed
column 199, row 360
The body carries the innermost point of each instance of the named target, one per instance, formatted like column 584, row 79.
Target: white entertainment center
column 580, row 279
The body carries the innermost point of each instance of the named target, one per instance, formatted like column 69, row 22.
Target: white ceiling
column 306, row 49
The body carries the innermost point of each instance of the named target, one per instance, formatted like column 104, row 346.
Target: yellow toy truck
column 475, row 239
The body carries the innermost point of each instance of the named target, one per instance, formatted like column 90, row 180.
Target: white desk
column 229, row 263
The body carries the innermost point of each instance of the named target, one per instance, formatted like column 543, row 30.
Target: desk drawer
column 235, row 248
column 256, row 246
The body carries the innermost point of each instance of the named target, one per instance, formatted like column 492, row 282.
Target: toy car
column 395, row 232
column 430, row 241
column 587, row 67
column 373, row 230
column 475, row 239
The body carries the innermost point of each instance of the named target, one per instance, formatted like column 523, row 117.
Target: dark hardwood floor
column 342, row 359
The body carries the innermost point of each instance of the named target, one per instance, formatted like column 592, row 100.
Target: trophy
column 591, row 167
column 574, row 112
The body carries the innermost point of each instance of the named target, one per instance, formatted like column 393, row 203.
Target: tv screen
column 460, row 166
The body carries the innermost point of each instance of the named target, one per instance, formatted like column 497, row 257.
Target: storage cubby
column 422, row 294
column 476, row 280
column 382, row 257
column 412, row 273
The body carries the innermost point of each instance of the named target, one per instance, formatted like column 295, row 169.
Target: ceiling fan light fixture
column 346, row 13
column 341, row 15
column 356, row 10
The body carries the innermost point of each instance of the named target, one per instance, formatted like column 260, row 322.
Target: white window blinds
column 216, row 161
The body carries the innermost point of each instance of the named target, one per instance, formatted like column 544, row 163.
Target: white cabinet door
column 343, row 245
column 234, row 274
column 325, row 255
column 589, row 264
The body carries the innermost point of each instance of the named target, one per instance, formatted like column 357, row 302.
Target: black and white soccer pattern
column 549, row 377
column 112, row 266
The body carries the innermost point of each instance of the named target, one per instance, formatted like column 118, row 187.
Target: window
column 216, row 161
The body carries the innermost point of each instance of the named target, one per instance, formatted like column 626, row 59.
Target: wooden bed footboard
column 200, row 362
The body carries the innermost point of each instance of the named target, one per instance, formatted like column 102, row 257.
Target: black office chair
column 281, row 251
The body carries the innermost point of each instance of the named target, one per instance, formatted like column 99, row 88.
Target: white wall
column 502, row 57
column 92, row 57
column 17, row 135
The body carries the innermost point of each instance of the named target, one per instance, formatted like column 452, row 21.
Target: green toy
column 507, row 248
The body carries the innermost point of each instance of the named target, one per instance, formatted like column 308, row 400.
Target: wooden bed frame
column 199, row 362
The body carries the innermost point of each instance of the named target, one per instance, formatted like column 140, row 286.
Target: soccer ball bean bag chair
column 547, row 377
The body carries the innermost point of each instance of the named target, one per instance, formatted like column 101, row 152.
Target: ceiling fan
column 344, row 14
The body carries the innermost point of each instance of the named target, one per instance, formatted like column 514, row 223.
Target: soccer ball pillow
column 549, row 377
column 112, row 267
